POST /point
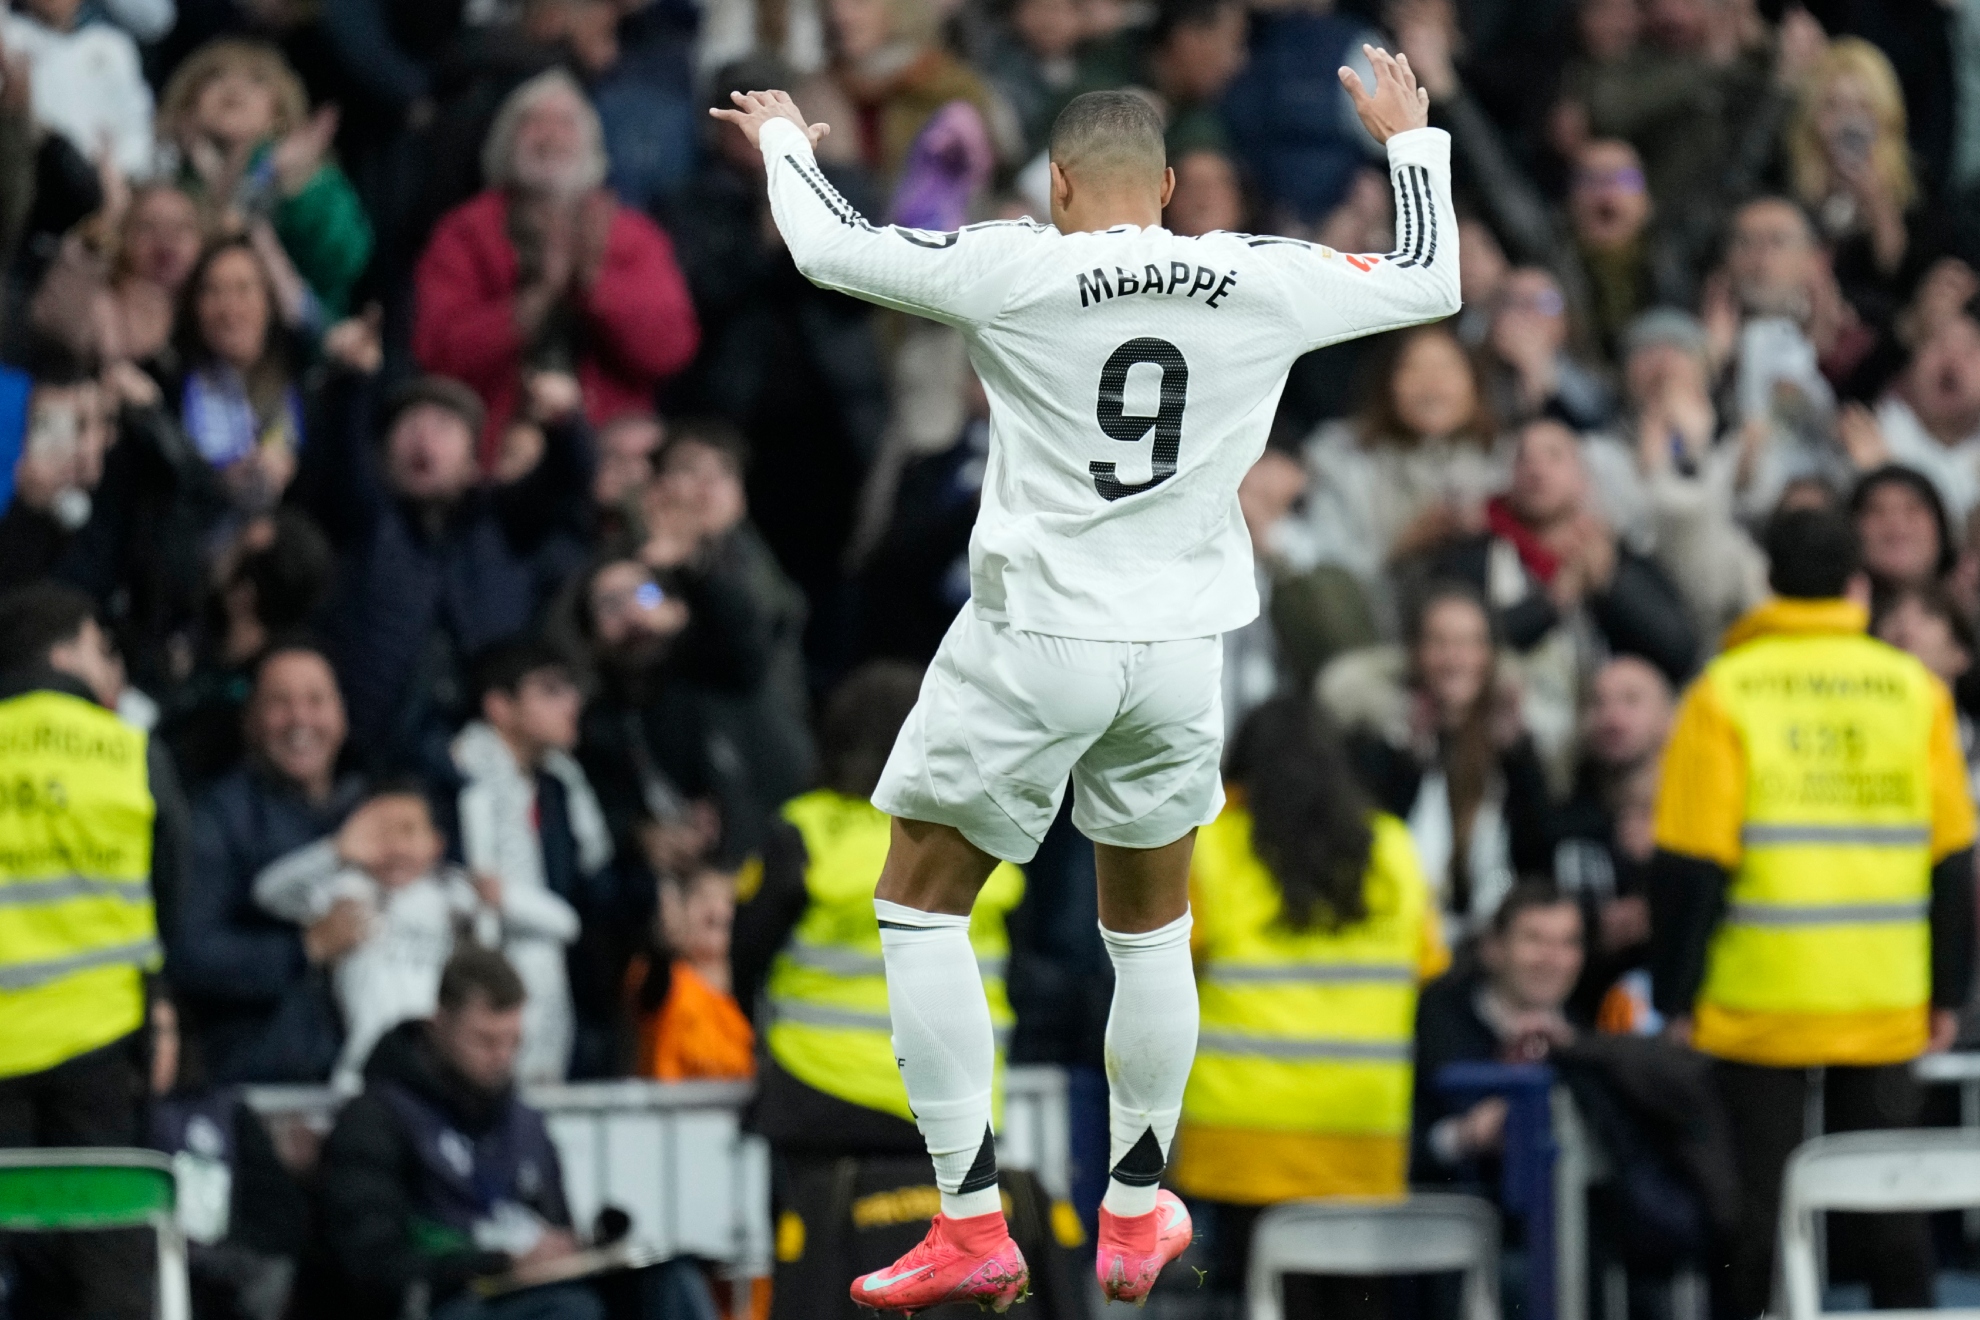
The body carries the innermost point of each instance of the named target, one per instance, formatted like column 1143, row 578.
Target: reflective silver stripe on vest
column 1828, row 914
column 57, row 889
column 1278, row 1047
column 27, row 975
column 847, row 962
column 1878, row 836
column 851, row 1019
column 1312, row 974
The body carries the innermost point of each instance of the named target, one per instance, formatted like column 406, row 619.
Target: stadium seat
column 1428, row 1234
column 1868, row 1171
column 58, row 1190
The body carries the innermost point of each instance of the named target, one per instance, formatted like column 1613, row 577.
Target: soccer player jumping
column 1132, row 377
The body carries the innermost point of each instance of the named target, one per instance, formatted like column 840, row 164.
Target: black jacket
column 260, row 1012
column 367, row 1255
column 1639, row 613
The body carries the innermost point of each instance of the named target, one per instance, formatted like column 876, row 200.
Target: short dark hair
column 502, row 666
column 290, row 575
column 1812, row 554
column 37, row 618
column 477, row 973
column 1920, row 485
column 1109, row 132
column 862, row 718
column 1526, row 896
column 441, row 392
column 716, row 433
column 1174, row 14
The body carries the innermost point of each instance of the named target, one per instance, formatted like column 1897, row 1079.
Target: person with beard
column 545, row 274
column 1602, row 832
column 669, row 648
column 439, row 1174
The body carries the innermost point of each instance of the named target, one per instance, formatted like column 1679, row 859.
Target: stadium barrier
column 674, row 1158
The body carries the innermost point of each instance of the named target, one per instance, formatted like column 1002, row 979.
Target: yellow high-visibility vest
column 1826, row 914
column 1303, row 1072
column 827, row 990
column 76, row 918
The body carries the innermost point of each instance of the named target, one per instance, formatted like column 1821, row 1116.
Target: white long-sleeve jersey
column 1132, row 378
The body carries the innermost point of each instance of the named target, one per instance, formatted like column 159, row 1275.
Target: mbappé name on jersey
column 1132, row 376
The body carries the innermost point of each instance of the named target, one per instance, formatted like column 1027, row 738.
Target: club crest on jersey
column 1180, row 280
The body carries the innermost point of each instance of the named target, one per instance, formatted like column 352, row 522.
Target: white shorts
column 1005, row 716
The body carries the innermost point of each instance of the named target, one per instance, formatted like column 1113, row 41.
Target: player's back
column 1132, row 375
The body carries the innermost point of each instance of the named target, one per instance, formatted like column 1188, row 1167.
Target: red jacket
column 640, row 319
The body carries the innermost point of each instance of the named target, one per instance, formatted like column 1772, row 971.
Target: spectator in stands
column 1195, row 50
column 434, row 564
column 891, row 72
column 1033, row 64
column 1529, row 370
column 251, row 999
column 1926, row 621
column 545, row 273
column 1603, row 838
column 690, row 1024
column 237, row 392
column 1208, row 195
column 1508, row 1007
column 808, row 943
column 626, row 446
column 1931, row 420
column 1906, row 537
column 1413, row 469
column 115, row 501
column 1290, row 123
column 119, row 305
column 86, row 82
column 1436, row 738
column 249, row 147
column 677, row 665
column 91, row 848
column 388, row 859
column 1599, row 829
column 1777, row 315
column 1313, row 924
column 1686, row 479
column 1747, row 853
column 1850, row 165
column 399, row 1211
column 1554, row 570
column 67, row 438
column 530, row 828
column 269, row 586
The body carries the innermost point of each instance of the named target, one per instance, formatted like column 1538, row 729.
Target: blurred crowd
column 477, row 503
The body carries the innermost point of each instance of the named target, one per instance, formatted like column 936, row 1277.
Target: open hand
column 755, row 109
column 1397, row 103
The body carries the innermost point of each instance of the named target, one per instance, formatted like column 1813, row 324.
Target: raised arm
column 956, row 278
column 1338, row 296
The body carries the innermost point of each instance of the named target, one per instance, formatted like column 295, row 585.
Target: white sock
column 1151, row 1041
column 945, row 1049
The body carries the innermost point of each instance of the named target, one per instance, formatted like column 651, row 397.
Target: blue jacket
column 257, row 1008
column 1291, row 123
